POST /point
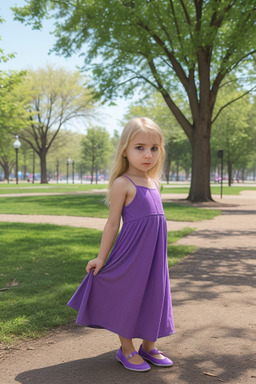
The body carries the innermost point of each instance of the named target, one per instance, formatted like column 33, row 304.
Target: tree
column 7, row 154
column 234, row 131
column 54, row 98
column 12, row 111
column 68, row 144
column 96, row 149
column 11, row 117
column 4, row 57
column 168, row 45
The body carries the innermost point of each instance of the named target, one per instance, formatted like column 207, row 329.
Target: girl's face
column 142, row 153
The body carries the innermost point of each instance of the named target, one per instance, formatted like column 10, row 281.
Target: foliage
column 165, row 45
column 96, row 150
column 54, row 98
column 234, row 131
column 7, row 153
column 67, row 145
column 12, row 116
column 3, row 56
column 11, row 108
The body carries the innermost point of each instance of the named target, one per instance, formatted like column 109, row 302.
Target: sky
column 32, row 48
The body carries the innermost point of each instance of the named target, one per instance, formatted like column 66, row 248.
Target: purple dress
column 131, row 294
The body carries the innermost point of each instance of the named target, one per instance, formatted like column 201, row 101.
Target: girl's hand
column 96, row 265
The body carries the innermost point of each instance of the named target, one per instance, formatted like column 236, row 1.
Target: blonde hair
column 132, row 128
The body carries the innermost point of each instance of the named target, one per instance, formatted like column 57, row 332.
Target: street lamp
column 16, row 145
column 68, row 162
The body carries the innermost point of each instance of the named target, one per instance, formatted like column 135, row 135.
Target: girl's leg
column 148, row 346
column 127, row 348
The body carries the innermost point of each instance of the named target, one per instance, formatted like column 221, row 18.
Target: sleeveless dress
column 130, row 296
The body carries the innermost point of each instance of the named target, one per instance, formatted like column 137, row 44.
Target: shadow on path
column 203, row 273
column 105, row 369
column 99, row 369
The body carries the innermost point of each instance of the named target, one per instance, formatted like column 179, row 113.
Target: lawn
column 215, row 190
column 49, row 188
column 90, row 206
column 78, row 188
column 41, row 267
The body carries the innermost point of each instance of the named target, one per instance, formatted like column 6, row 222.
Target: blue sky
column 32, row 47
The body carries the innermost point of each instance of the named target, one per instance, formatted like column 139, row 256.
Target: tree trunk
column 200, row 179
column 243, row 175
column 229, row 173
column 168, row 161
column 6, row 171
column 167, row 167
column 177, row 169
column 92, row 172
column 43, row 167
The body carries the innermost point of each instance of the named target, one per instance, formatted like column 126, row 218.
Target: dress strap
column 130, row 180
column 156, row 184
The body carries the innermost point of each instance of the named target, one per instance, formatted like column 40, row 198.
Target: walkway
column 214, row 307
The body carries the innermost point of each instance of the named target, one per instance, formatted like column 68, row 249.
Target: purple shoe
column 158, row 362
column 132, row 367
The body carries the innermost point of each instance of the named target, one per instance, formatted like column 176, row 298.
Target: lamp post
column 68, row 162
column 73, row 173
column 16, row 145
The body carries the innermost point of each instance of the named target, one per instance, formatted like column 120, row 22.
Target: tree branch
column 176, row 65
column 170, row 103
column 230, row 102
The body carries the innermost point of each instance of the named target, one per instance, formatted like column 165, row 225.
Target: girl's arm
column 117, row 200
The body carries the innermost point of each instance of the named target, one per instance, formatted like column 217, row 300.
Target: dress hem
column 137, row 336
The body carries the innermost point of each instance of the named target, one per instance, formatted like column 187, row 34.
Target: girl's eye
column 154, row 149
column 139, row 148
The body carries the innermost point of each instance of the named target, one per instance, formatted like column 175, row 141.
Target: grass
column 49, row 188
column 178, row 212
column 90, row 206
column 178, row 252
column 215, row 190
column 42, row 266
column 76, row 188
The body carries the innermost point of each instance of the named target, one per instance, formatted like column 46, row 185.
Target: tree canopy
column 167, row 45
column 54, row 97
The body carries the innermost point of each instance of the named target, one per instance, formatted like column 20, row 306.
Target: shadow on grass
column 47, row 263
column 71, row 205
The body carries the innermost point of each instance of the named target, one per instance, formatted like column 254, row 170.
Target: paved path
column 214, row 307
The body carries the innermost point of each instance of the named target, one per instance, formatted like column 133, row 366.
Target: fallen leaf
column 12, row 283
column 210, row 374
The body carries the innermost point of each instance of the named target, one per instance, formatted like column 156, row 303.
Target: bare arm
column 117, row 200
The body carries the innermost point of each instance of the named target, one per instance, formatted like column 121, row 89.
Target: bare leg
column 148, row 346
column 127, row 348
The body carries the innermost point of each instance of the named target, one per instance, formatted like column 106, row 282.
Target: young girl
column 130, row 294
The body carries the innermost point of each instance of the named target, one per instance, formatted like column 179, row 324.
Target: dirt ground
column 213, row 293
